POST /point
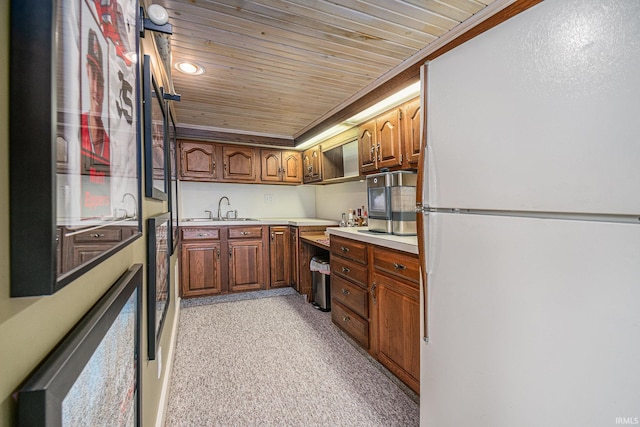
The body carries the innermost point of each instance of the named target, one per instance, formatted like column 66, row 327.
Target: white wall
column 333, row 199
column 249, row 200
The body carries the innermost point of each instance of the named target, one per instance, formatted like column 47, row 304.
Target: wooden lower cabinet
column 294, row 274
column 279, row 256
column 375, row 299
column 201, row 274
column 246, row 265
column 395, row 312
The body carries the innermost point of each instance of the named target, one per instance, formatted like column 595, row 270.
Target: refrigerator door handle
column 422, row 212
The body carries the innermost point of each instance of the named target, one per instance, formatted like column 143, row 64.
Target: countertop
column 298, row 222
column 362, row 234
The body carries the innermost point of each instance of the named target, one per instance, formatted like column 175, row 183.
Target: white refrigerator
column 531, row 222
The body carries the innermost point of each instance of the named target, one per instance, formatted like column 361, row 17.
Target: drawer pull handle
column 344, row 249
column 97, row 236
column 346, row 269
column 345, row 291
column 203, row 234
column 399, row 266
column 244, row 233
column 346, row 318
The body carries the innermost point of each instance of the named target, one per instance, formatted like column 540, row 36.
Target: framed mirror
column 155, row 135
column 74, row 138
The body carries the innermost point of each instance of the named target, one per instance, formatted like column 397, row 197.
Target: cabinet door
column 198, row 161
column 246, row 268
column 200, row 269
column 280, row 256
column 367, row 147
column 292, row 167
column 295, row 257
column 412, row 138
column 271, row 162
column 239, row 163
column 396, row 320
column 389, row 139
column 311, row 165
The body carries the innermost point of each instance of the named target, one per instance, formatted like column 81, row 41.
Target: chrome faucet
column 220, row 205
column 135, row 204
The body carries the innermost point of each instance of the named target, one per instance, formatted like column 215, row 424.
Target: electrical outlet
column 159, row 362
column 268, row 199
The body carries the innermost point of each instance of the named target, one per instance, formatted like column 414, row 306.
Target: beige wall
column 31, row 327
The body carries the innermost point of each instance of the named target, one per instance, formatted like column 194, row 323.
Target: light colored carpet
column 276, row 362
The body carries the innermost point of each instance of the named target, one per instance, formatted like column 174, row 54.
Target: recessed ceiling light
column 190, row 68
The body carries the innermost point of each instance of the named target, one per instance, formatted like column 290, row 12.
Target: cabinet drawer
column 398, row 264
column 99, row 235
column 200, row 233
column 245, row 232
column 354, row 325
column 352, row 296
column 351, row 249
column 357, row 273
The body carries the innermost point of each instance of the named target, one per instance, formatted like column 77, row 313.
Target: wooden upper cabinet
column 281, row 166
column 367, row 146
column 199, row 161
column 412, row 139
column 389, row 139
column 311, row 165
column 239, row 163
column 271, row 165
column 292, row 167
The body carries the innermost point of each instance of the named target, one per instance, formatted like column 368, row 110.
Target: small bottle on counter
column 343, row 222
column 350, row 222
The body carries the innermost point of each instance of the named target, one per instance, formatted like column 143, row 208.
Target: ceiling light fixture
column 190, row 68
column 158, row 14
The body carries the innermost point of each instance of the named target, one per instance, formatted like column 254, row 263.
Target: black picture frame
column 93, row 376
column 73, row 159
column 173, row 180
column 155, row 135
column 158, row 278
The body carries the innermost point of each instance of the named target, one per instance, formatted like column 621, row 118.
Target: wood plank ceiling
column 276, row 68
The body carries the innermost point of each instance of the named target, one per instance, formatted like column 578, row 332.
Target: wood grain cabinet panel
column 199, row 161
column 350, row 322
column 279, row 166
column 239, row 163
column 396, row 317
column 389, row 139
column 349, row 270
column 294, row 275
column 350, row 249
column 246, row 265
column 350, row 295
column 279, row 256
column 367, row 147
column 411, row 116
column 200, row 269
